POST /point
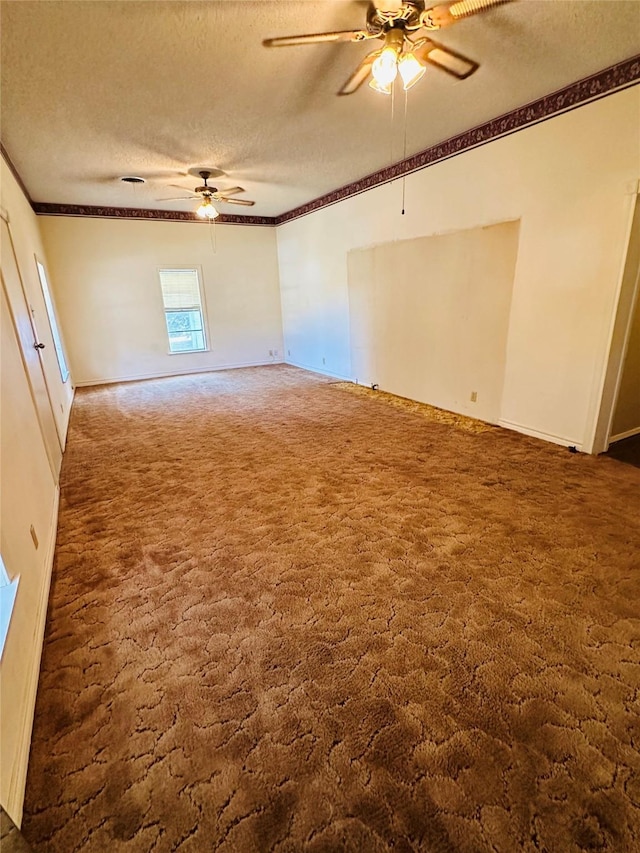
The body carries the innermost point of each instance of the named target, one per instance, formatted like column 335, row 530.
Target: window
column 183, row 310
column 53, row 323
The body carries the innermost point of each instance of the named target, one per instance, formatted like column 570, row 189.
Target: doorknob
column 38, row 346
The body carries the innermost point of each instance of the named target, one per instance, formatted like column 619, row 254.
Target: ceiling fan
column 404, row 26
column 210, row 194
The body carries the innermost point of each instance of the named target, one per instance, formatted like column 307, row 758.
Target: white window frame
column 203, row 307
column 54, row 328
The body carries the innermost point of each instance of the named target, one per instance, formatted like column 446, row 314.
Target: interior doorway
column 625, row 423
column 619, row 417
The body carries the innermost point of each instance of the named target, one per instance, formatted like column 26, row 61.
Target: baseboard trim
column 319, row 370
column 17, row 785
column 138, row 377
column 536, row 433
column 622, row 435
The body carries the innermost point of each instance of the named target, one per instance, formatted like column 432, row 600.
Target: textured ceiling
column 96, row 89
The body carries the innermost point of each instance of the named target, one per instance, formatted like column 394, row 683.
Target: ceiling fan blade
column 242, row 201
column 443, row 16
column 445, row 59
column 314, row 38
column 466, row 8
column 359, row 75
column 230, row 191
column 179, row 198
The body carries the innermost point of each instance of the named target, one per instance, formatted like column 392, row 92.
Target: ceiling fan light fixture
column 207, row 210
column 383, row 88
column 410, row 70
column 385, row 67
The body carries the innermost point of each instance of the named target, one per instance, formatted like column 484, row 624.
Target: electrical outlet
column 271, row 353
column 288, row 352
column 324, row 360
column 474, row 396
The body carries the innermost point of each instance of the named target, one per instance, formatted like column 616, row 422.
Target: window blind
column 180, row 289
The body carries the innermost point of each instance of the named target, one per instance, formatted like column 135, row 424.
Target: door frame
column 55, row 467
column 627, row 297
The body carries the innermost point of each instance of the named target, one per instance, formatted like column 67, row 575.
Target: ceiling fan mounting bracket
column 205, row 190
column 406, row 17
column 212, row 171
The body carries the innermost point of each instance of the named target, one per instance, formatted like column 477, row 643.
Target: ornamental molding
column 606, row 82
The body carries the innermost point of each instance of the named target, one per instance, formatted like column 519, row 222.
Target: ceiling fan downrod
column 206, row 189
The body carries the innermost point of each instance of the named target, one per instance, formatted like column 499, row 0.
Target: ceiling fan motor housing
column 406, row 15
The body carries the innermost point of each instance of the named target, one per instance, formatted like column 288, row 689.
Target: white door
column 30, row 348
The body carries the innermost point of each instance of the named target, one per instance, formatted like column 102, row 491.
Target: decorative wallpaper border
column 592, row 88
column 87, row 210
column 605, row 82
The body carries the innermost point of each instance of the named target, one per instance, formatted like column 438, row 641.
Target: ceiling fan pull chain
column 213, row 235
column 404, row 146
column 393, row 104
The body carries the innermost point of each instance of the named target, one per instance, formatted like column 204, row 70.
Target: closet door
column 30, row 348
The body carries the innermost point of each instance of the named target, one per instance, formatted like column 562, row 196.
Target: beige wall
column 567, row 181
column 430, row 317
column 28, row 493
column 106, row 279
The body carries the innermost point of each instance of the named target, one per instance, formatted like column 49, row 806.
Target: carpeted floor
column 286, row 617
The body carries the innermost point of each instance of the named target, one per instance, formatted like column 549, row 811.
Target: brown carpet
column 285, row 617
